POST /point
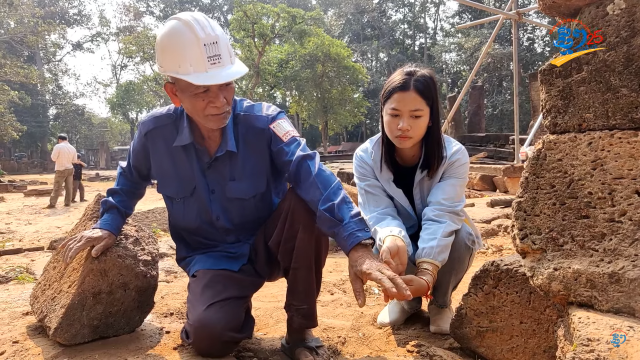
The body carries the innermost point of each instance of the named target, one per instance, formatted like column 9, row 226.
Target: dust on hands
column 365, row 266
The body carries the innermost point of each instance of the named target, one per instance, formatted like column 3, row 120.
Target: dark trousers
column 77, row 185
column 289, row 245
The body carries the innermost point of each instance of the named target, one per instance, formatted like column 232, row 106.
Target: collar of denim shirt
column 185, row 136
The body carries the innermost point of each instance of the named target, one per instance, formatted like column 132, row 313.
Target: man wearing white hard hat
column 222, row 164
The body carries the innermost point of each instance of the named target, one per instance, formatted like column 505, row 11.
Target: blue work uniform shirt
column 216, row 205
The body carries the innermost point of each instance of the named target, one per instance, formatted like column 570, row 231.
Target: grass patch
column 25, row 279
column 20, row 273
column 3, row 243
column 157, row 232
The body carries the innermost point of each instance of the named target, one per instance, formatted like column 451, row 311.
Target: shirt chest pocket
column 248, row 201
column 182, row 205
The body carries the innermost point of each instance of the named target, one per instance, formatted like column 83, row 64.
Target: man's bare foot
column 293, row 339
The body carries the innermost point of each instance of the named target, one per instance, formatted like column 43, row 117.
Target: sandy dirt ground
column 349, row 332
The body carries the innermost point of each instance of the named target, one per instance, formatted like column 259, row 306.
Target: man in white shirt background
column 64, row 154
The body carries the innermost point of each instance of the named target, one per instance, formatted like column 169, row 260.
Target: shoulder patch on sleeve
column 284, row 129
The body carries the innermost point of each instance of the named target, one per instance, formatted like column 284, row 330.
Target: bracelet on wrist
column 428, row 294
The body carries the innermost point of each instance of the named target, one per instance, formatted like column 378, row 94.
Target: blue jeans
column 450, row 274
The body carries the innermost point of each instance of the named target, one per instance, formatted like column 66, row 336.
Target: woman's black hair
column 423, row 82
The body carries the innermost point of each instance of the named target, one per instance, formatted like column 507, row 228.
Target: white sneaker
column 439, row 319
column 396, row 312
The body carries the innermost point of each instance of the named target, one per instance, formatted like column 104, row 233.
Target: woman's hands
column 394, row 254
column 419, row 284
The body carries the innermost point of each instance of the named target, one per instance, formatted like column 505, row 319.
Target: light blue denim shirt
column 440, row 200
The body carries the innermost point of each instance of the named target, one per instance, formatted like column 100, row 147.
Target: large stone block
column 563, row 8
column 500, row 184
column 153, row 219
column 352, row 191
column 38, row 192
column 101, row 297
column 599, row 90
column 345, row 176
column 481, row 182
column 577, row 219
column 589, row 335
column 502, row 316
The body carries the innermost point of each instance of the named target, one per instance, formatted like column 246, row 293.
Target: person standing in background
column 64, row 155
column 77, row 179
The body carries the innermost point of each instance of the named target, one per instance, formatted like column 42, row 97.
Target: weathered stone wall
column 577, row 221
column 563, row 8
column 599, row 90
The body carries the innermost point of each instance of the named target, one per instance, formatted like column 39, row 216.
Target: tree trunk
column 364, row 130
column 325, row 135
column 44, row 140
column 132, row 126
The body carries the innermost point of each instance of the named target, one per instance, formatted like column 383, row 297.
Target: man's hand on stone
column 99, row 238
column 365, row 266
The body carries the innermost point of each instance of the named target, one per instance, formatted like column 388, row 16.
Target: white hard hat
column 193, row 47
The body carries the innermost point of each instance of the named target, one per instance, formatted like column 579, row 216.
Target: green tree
column 34, row 42
column 10, row 128
column 258, row 30
column 325, row 84
column 134, row 86
column 132, row 99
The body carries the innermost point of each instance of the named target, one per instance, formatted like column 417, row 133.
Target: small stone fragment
column 481, row 182
column 34, row 248
column 12, row 251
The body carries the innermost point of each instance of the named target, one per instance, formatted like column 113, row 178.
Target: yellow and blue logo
column 574, row 39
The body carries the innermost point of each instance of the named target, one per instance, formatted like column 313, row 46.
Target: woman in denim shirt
column 411, row 182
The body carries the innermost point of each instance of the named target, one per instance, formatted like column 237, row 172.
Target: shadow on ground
column 266, row 349
column 414, row 335
column 134, row 345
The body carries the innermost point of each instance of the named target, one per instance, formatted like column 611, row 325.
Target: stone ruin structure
column 573, row 290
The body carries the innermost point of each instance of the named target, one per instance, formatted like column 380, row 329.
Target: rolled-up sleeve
column 336, row 215
column 130, row 186
column 375, row 204
column 444, row 214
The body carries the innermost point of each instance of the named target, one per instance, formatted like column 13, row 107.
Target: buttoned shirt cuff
column 394, row 231
column 111, row 223
column 352, row 234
